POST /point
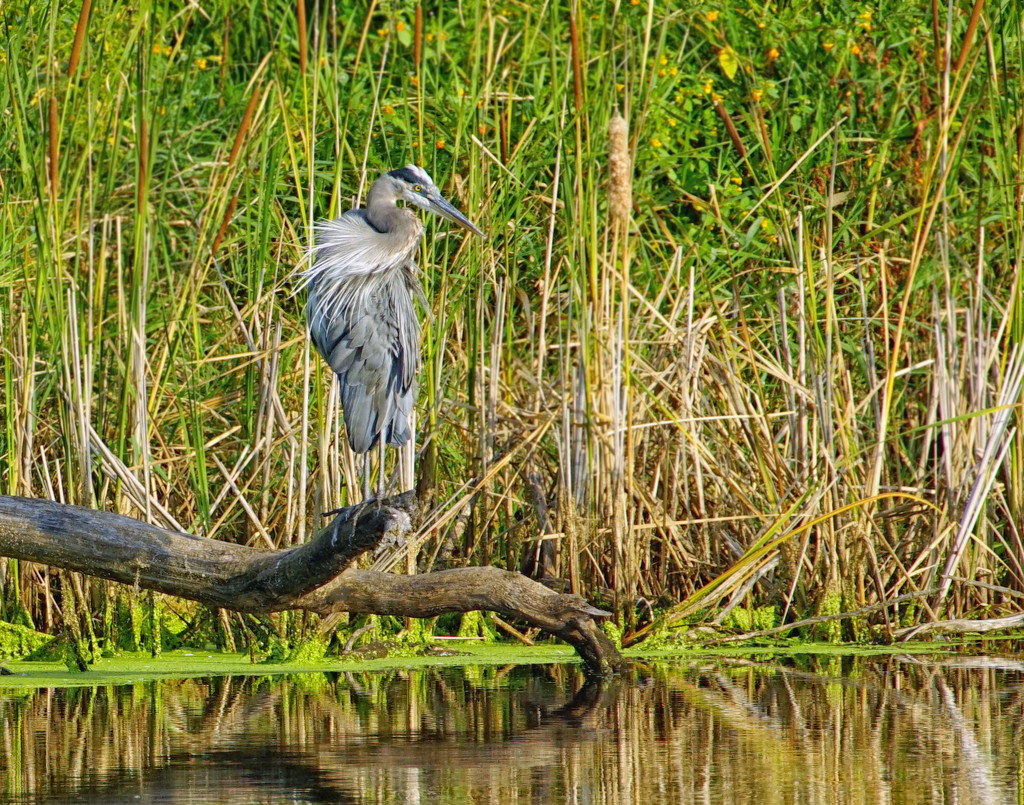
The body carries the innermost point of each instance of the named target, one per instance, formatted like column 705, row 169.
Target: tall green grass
column 785, row 370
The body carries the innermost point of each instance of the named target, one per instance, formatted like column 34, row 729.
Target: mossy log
column 314, row 576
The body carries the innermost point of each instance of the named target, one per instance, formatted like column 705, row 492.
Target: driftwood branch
column 568, row 617
column 961, row 626
column 221, row 574
column 312, row 576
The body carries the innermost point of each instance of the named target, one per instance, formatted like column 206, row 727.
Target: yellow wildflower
column 855, row 49
column 389, row 109
column 757, row 94
column 440, row 145
column 711, row 16
column 201, row 63
column 773, row 53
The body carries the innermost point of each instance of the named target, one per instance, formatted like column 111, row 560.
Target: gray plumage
column 361, row 281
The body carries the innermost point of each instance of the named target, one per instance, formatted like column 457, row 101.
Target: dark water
column 901, row 730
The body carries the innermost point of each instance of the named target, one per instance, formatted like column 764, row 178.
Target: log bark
column 312, row 576
column 221, row 574
column 568, row 617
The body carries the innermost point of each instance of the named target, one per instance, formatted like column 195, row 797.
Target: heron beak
column 445, row 209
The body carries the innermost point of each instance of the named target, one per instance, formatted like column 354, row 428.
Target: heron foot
column 348, row 512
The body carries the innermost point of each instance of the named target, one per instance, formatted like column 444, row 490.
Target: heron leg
column 381, row 478
column 366, row 476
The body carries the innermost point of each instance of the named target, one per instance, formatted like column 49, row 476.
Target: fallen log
column 314, row 576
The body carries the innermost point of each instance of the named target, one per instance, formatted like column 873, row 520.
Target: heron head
column 413, row 185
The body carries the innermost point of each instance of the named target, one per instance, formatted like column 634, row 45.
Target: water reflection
column 902, row 730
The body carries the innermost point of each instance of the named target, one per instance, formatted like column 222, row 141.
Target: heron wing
column 366, row 330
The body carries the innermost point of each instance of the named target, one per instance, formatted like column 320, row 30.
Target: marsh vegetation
column 774, row 360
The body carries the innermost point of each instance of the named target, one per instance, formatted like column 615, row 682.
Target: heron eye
column 418, row 188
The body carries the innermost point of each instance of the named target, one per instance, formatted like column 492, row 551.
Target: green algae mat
column 129, row 668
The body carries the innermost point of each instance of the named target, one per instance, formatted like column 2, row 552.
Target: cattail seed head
column 620, row 171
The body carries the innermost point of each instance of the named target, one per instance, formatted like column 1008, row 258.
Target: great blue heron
column 361, row 280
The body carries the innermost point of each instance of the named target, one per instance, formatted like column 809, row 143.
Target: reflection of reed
column 893, row 731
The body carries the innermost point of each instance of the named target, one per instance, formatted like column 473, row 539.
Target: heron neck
column 401, row 226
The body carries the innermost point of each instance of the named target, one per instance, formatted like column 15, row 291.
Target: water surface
column 898, row 730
